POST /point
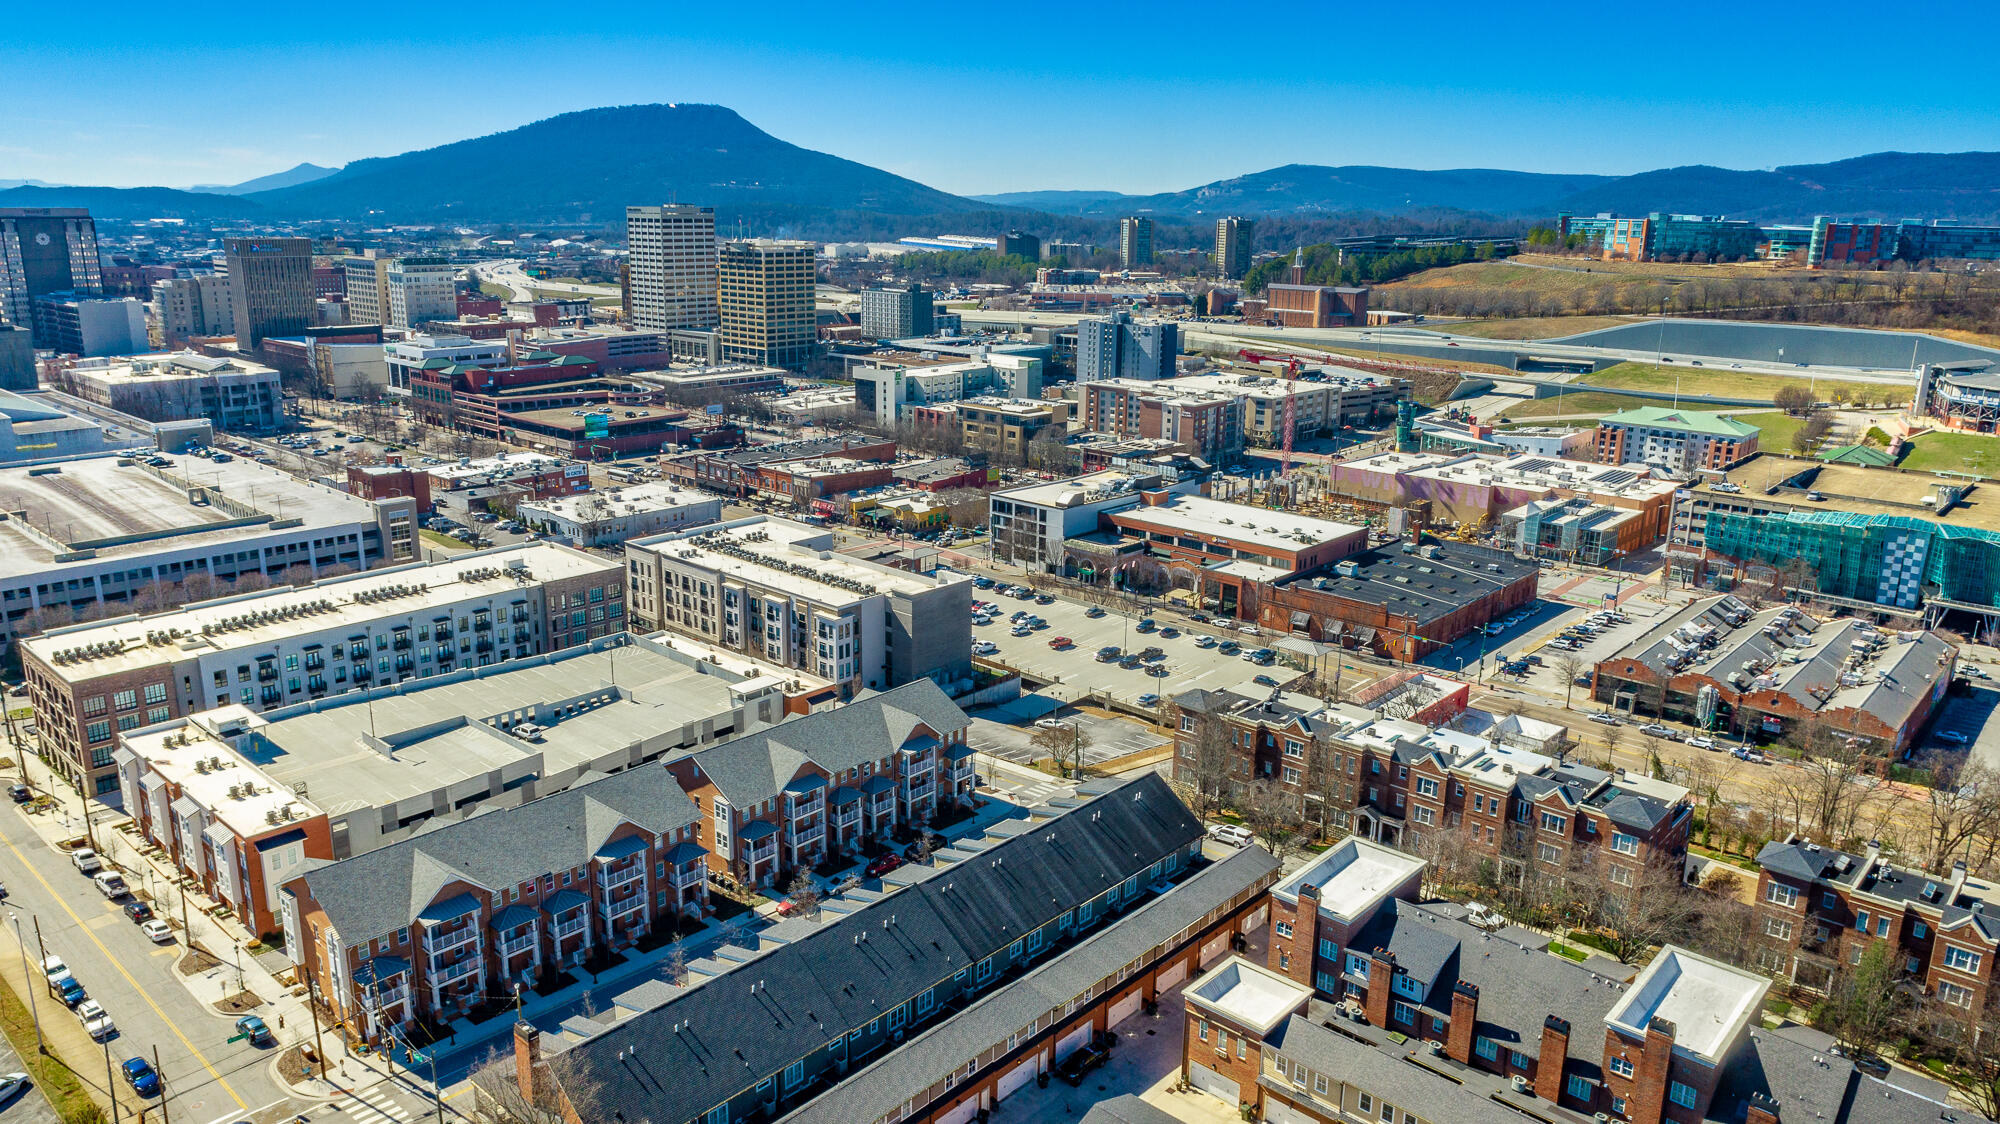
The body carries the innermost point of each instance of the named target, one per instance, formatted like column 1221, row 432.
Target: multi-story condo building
column 734, row 472
column 1394, row 781
column 1007, row 426
column 85, row 324
column 187, row 307
column 1119, row 347
column 430, row 928
column 1819, row 909
column 1235, row 240
column 1323, row 401
column 672, row 258
column 1016, row 244
column 233, row 394
column 1720, row 665
column 272, row 649
column 897, row 312
column 775, row 590
column 45, row 250
column 1683, row 441
column 1204, row 421
column 270, row 287
column 618, row 514
column 888, row 389
column 974, row 930
column 765, row 297
column 419, row 290
column 366, row 280
column 830, row 783
column 1135, row 241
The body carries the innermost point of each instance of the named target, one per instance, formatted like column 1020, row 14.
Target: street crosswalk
column 374, row 1106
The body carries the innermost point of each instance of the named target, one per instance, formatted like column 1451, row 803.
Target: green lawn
column 498, row 292
column 1527, row 327
column 1778, row 428
column 1739, row 384
column 1956, row 452
column 1583, row 403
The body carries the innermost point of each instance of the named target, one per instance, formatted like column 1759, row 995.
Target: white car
column 1701, row 742
column 1250, row 630
column 1234, row 835
column 1204, row 641
column 95, row 1020
column 158, row 931
column 11, row 1084
column 1051, row 724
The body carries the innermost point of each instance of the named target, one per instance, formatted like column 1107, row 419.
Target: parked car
column 1265, row 681
column 985, row 648
column 140, row 1075
column 138, row 912
column 1951, row 737
column 111, row 885
column 1198, row 618
column 1701, row 743
column 1061, row 642
column 1204, row 641
column 1108, row 653
column 1235, row 835
column 1605, row 717
column 883, row 864
column 1147, row 625
column 86, row 860
column 1169, row 632
column 54, row 969
column 1149, row 699
column 158, row 931
column 69, row 989
column 10, row 1084
column 1094, row 612
column 1655, row 730
column 1744, row 753
column 1045, row 599
column 1250, row 630
column 1051, row 724
column 21, row 793
column 1484, row 917
column 1021, row 630
column 96, row 1022
column 1078, row 1065
column 253, row 1028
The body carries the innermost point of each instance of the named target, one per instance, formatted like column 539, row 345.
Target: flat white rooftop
column 1108, row 484
column 1276, row 530
column 212, row 774
column 259, row 619
column 1708, row 1001
column 1241, row 991
column 501, row 464
column 781, row 554
column 1353, row 876
column 625, row 500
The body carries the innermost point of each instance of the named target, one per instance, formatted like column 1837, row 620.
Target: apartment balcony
column 762, row 852
column 378, row 998
column 482, row 646
column 267, row 673
column 520, row 616
column 315, row 663
column 363, row 671
column 616, row 910
column 442, row 634
column 918, row 791
column 436, row 942
column 482, row 624
column 400, row 644
column 567, row 929
column 358, row 652
column 523, row 636
column 805, row 837
column 693, row 874
column 514, row 946
column 405, row 664
column 610, row 879
column 272, row 696
column 451, row 973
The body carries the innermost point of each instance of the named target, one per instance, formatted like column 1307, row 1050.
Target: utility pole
column 43, row 949
column 312, row 1008
column 163, row 1081
column 34, row 1008
column 110, row 1085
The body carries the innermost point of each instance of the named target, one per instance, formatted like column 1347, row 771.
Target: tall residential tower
column 1135, row 241
column 1233, row 237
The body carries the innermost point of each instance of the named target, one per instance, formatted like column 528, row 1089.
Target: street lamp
column 34, row 1008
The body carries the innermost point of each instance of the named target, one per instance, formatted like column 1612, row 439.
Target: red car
column 1060, row 642
column 884, row 865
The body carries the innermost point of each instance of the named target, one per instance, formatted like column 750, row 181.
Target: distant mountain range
column 291, row 177
column 586, row 167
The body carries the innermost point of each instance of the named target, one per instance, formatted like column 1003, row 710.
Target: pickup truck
column 111, row 886
column 86, row 860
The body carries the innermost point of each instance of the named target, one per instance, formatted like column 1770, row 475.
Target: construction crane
column 1291, row 408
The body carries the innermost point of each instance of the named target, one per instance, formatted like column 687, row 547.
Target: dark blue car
column 141, row 1076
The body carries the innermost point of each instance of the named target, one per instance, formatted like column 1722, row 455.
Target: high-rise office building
column 1119, row 347
column 45, row 250
column 765, row 295
column 185, row 307
column 1021, row 245
column 671, row 252
column 1135, row 241
column 895, row 312
column 271, row 286
column 421, row 290
column 1233, row 237
column 367, row 288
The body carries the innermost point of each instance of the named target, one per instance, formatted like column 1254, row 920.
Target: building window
column 1284, row 929
column 1426, row 787
column 1778, row 927
column 1921, row 931
column 1618, row 1106
column 1781, row 894
column 1963, row 960
column 1422, row 815
column 1550, row 854
column 1624, row 844
column 1579, row 1087
column 1404, row 1013
column 1620, row 1066
column 1681, row 1094
column 1328, row 950
column 1954, row 994
column 1486, row 1048
column 1553, row 822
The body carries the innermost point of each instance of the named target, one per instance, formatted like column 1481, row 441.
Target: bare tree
column 1657, row 907
column 1453, row 864
column 1961, row 807
column 1969, row 1040
column 560, row 1088
column 1865, row 1006
column 1212, row 753
column 1064, row 746
column 1272, row 814
column 1569, row 665
column 803, row 893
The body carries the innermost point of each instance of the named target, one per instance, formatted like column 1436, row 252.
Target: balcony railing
column 514, row 946
column 401, row 644
column 267, row 674
column 690, row 875
column 458, row 971
column 482, row 624
column 375, row 999
column 442, row 634
column 616, row 910
column 567, row 928
column 809, row 835
column 619, row 877
column 436, row 942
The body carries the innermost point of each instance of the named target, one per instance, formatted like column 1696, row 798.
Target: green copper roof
column 1865, row 455
column 1693, row 421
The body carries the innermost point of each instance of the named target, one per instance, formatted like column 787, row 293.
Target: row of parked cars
column 1576, row 636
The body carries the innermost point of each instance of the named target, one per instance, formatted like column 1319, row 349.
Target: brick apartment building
column 833, row 782
column 1387, row 780
column 1315, row 306
column 1819, row 908
column 437, row 926
column 734, row 472
column 1673, row 440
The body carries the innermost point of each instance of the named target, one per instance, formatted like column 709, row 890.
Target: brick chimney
column 1648, row 1101
column 1304, row 945
column 1549, row 1067
column 1381, row 976
column 1763, row 1110
column 1464, row 1022
column 529, row 1072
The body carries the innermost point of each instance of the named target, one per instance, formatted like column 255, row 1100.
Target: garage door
column 1214, row 949
column 963, row 1114
column 1278, row 1112
column 1256, row 920
column 1171, row 977
column 1214, row 1084
column 1072, row 1042
column 1013, row 1079
column 1127, row 1007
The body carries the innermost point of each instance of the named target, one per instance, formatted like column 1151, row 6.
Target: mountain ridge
column 303, row 172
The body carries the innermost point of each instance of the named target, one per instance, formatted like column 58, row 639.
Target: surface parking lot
column 1109, row 738
column 1074, row 672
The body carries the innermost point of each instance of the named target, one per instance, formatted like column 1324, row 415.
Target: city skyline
column 1535, row 104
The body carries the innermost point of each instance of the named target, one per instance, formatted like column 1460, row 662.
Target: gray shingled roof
column 1382, row 1072
column 756, row 767
column 1128, row 1109
column 871, row 1092
column 1811, row 1086
column 709, row 1044
column 382, row 891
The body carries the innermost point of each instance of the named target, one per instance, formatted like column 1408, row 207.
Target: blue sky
column 994, row 97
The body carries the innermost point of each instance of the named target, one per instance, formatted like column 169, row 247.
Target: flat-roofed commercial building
column 434, row 353
column 234, row 394
column 617, row 514
column 275, row 648
column 897, row 311
column 775, row 590
column 1477, row 489
column 1007, row 426
column 765, row 296
column 672, row 259
column 420, row 290
column 1674, row 440
column 366, row 278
